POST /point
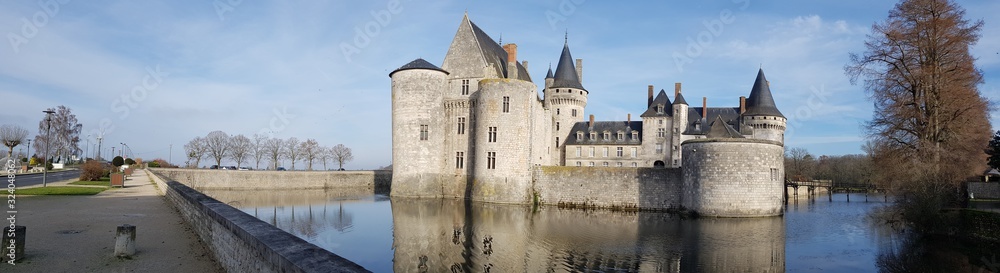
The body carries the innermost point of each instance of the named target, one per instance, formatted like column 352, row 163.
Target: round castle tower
column 503, row 141
column 417, row 129
column 566, row 99
column 726, row 175
column 762, row 114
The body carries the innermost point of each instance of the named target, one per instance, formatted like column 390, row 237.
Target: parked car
column 214, row 167
column 280, row 169
column 245, row 168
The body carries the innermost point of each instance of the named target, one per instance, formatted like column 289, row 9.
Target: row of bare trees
column 60, row 134
column 241, row 149
column 800, row 165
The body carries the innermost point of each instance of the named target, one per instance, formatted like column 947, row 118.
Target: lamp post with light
column 48, row 139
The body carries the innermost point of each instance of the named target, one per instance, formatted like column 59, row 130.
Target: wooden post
column 125, row 241
column 17, row 252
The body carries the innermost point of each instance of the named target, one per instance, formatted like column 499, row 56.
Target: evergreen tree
column 994, row 151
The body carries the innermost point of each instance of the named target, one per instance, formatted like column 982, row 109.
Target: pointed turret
column 549, row 75
column 680, row 99
column 419, row 63
column 760, row 102
column 566, row 73
column 658, row 108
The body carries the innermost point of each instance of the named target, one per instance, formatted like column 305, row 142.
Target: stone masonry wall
column 611, row 187
column 733, row 177
column 375, row 181
column 984, row 190
column 243, row 243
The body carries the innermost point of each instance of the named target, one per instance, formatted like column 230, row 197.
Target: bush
column 92, row 171
column 48, row 166
column 118, row 161
column 154, row 164
column 129, row 161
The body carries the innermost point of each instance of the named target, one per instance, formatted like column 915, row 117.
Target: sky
column 155, row 74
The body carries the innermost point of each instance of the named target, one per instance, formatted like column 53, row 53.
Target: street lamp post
column 29, row 153
column 99, row 138
column 122, row 151
column 48, row 139
column 86, row 150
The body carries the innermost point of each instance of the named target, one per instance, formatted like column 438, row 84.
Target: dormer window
column 593, row 135
column 659, row 108
column 579, row 135
column 607, row 135
column 621, row 136
column 635, row 135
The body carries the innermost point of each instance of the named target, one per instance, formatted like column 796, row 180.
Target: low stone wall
column 989, row 190
column 608, row 187
column 243, row 243
column 377, row 181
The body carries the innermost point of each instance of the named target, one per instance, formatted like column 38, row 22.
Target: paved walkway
column 77, row 233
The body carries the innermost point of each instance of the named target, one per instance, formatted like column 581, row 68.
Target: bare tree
column 195, row 150
column 12, row 136
column 799, row 163
column 292, row 150
column 930, row 125
column 275, row 146
column 258, row 148
column 63, row 137
column 217, row 146
column 309, row 150
column 239, row 149
column 324, row 156
column 341, row 154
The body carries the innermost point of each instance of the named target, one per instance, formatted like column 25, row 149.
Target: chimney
column 524, row 64
column 628, row 122
column 511, row 52
column 704, row 107
column 591, row 124
column 743, row 105
column 677, row 89
column 579, row 69
column 649, row 102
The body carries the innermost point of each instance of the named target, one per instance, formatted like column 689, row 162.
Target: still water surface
column 407, row 235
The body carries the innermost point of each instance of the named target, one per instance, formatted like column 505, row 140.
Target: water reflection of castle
column 457, row 236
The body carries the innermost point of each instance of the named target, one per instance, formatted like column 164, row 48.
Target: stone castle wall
column 981, row 190
column 508, row 180
column 733, row 177
column 418, row 131
column 369, row 181
column 611, row 187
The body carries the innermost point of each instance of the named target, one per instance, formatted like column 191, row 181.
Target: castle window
column 605, row 151
column 423, row 131
column 459, row 160
column 607, row 135
column 697, row 126
column 579, row 151
column 675, row 147
column 461, row 125
column 621, row 136
column 593, row 135
column 557, row 142
column 675, row 162
column 659, row 148
column 634, row 153
column 661, row 132
column 591, row 164
column 659, row 109
column 635, row 165
column 620, row 151
column 506, row 104
column 619, row 164
column 605, row 164
column 557, row 126
column 774, row 174
column 635, row 135
column 591, row 151
column 492, row 134
column 579, row 135
column 578, row 163
column 557, row 90
column 465, row 87
column 675, row 130
column 558, row 111
column 574, row 112
column 660, row 121
column 491, row 160
column 581, row 92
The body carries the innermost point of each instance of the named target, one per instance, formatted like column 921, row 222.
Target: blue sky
column 155, row 73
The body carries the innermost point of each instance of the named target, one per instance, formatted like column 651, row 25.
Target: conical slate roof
column 680, row 99
column 417, row 64
column 721, row 129
column 760, row 102
column 549, row 75
column 566, row 72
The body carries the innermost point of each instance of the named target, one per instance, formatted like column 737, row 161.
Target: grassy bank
column 61, row 190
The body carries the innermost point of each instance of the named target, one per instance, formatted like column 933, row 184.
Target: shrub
column 129, row 161
column 118, row 161
column 154, row 164
column 48, row 166
column 92, row 171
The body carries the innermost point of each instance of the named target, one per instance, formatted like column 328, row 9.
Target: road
column 36, row 179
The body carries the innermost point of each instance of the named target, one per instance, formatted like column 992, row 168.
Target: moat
column 431, row 235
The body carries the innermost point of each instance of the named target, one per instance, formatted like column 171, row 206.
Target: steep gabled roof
column 484, row 47
column 760, row 102
column 721, row 129
column 661, row 99
column 417, row 64
column 566, row 76
column 730, row 115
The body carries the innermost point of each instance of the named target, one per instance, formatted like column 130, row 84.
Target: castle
column 476, row 128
